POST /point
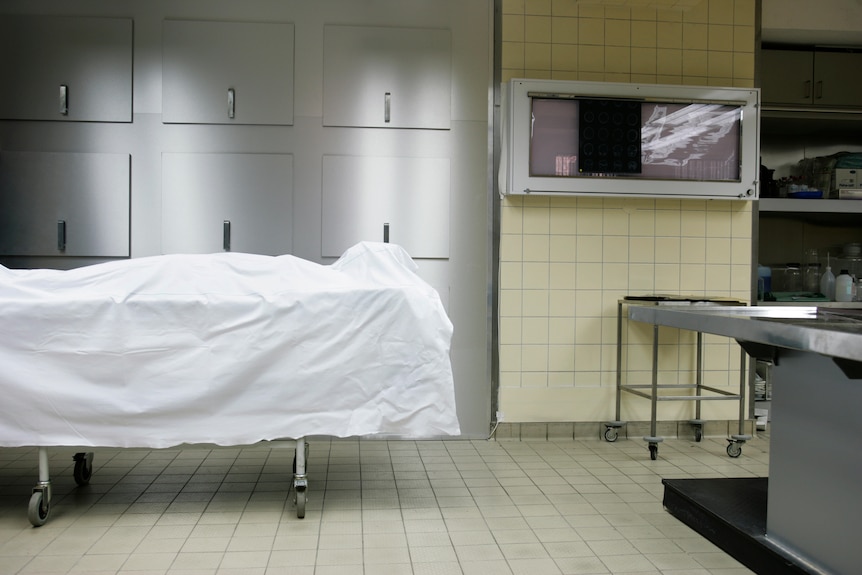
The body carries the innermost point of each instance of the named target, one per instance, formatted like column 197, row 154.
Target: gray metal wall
column 454, row 237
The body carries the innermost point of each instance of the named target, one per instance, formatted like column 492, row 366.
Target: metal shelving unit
column 701, row 392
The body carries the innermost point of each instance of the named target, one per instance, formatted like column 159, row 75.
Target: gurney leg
column 40, row 501
column 300, row 479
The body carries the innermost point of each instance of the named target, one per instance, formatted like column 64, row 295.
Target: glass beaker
column 792, row 277
column 812, row 272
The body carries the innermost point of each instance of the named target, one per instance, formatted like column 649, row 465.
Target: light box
column 611, row 139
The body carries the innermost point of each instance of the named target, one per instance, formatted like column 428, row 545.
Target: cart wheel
column 653, row 451
column 698, row 434
column 734, row 449
column 83, row 468
column 300, row 504
column 611, row 434
column 38, row 510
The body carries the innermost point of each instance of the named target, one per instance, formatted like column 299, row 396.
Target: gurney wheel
column 734, row 449
column 38, row 510
column 83, row 468
column 300, row 504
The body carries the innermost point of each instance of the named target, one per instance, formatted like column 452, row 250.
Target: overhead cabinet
column 811, row 78
column 227, row 72
column 66, row 68
column 227, row 202
column 64, row 204
column 387, row 77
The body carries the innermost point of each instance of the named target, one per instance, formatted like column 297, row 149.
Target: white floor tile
column 536, row 507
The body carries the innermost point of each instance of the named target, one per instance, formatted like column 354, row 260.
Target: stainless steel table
column 651, row 391
column 813, row 509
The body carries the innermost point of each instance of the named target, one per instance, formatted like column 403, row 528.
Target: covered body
column 225, row 348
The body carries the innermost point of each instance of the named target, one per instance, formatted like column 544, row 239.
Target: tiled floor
column 374, row 507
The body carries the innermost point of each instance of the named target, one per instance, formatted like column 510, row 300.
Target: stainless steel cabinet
column 66, row 68
column 227, row 202
column 227, row 72
column 362, row 194
column 64, row 204
column 811, row 78
column 387, row 77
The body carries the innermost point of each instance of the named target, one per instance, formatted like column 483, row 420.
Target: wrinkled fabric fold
column 227, row 348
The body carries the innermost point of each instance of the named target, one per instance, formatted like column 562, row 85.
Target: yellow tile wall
column 566, row 261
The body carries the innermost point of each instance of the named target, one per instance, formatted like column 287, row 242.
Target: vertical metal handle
column 226, row 235
column 61, row 235
column 818, row 93
column 386, row 233
column 386, row 99
column 806, row 89
column 231, row 103
column 64, row 100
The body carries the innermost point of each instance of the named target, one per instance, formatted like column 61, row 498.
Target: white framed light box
column 636, row 140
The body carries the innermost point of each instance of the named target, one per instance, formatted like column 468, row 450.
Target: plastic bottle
column 844, row 286
column 827, row 283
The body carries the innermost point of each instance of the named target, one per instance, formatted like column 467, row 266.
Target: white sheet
column 225, row 348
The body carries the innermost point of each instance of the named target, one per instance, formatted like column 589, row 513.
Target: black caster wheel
column 611, row 434
column 83, row 468
column 698, row 434
column 734, row 449
column 653, row 452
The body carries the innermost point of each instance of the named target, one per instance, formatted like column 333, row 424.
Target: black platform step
column 731, row 513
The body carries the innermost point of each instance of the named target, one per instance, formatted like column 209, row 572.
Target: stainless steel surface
column 89, row 192
column 834, row 331
column 204, row 58
column 411, row 194
column 253, row 192
column 412, row 65
column 39, row 53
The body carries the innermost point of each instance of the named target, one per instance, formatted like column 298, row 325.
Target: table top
column 831, row 331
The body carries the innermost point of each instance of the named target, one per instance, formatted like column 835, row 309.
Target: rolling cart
column 701, row 392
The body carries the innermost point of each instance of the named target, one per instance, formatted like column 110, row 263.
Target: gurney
column 224, row 349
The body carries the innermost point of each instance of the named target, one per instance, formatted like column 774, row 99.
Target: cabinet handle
column 386, row 233
column 818, row 94
column 64, row 100
column 61, row 235
column 226, row 235
column 231, row 103
column 386, row 98
column 807, row 89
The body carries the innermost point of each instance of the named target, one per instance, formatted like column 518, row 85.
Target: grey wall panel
column 204, row 61
column 92, row 57
column 361, row 194
column 254, row 192
column 387, row 77
column 89, row 193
